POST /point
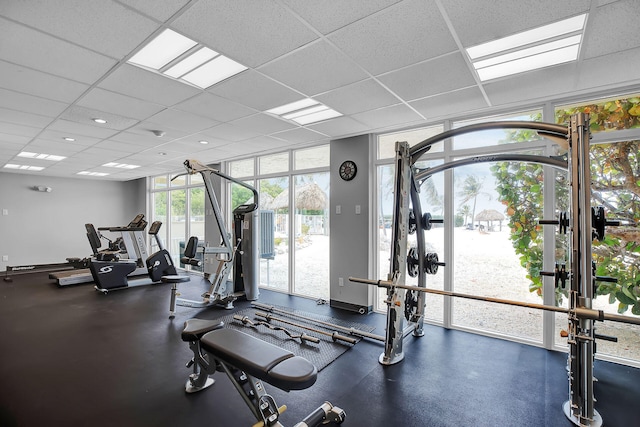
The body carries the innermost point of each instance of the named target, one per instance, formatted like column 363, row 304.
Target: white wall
column 45, row 227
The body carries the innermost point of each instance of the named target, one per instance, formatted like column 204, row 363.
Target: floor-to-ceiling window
column 179, row 203
column 294, row 218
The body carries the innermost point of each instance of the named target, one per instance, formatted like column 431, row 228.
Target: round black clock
column 348, row 170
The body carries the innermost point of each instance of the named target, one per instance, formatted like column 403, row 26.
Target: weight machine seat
column 258, row 358
column 194, row 329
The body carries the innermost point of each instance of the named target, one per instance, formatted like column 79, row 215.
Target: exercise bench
column 248, row 361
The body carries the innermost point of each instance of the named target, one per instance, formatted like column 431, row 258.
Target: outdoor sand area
column 485, row 264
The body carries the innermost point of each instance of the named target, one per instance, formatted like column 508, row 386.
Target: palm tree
column 465, row 211
column 471, row 189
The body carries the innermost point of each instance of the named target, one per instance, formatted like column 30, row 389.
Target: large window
column 180, row 205
column 294, row 205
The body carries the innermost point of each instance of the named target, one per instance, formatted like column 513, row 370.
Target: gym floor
column 73, row 356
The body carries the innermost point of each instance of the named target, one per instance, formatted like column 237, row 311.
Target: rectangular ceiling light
column 87, row 173
column 120, row 165
column 192, row 61
column 304, row 112
column 23, row 167
column 50, row 157
column 215, row 71
column 178, row 57
column 162, row 50
column 541, row 47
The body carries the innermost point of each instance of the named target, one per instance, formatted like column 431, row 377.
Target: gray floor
column 72, row 356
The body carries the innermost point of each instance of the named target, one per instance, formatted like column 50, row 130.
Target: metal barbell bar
column 580, row 312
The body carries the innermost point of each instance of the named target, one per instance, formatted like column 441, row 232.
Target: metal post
column 580, row 406
column 398, row 261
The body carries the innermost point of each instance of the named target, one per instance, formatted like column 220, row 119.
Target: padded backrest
column 192, row 246
column 94, row 238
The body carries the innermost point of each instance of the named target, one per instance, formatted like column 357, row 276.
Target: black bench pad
column 260, row 359
column 194, row 329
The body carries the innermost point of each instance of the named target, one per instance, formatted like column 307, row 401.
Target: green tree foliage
column 615, row 176
column 239, row 195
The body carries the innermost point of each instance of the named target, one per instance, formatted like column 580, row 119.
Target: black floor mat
column 320, row 354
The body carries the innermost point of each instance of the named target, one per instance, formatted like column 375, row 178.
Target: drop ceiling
column 383, row 64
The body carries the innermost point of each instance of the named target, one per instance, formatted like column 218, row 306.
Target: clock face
column 348, row 170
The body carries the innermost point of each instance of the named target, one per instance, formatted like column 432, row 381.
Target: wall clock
column 348, row 170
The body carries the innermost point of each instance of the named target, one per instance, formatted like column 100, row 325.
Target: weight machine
column 241, row 255
column 583, row 222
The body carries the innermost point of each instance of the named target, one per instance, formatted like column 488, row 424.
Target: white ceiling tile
column 300, row 135
column 231, row 133
column 329, row 15
column 17, row 129
column 15, row 141
column 536, row 85
column 50, row 134
column 60, row 148
column 49, row 54
column 358, row 97
column 158, row 9
column 215, row 107
column 388, row 116
column 146, row 129
column 122, row 147
column 477, row 22
column 25, row 80
column 439, row 75
column 22, row 118
column 180, row 120
column 441, row 106
column 621, row 15
column 86, row 115
column 410, row 32
column 147, row 86
column 256, row 91
column 247, row 31
column 194, row 140
column 317, row 67
column 597, row 72
column 144, row 139
column 30, row 104
column 103, row 26
column 263, row 124
column 339, row 126
column 115, row 103
column 74, row 129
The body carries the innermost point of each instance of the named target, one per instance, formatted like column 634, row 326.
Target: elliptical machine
column 110, row 272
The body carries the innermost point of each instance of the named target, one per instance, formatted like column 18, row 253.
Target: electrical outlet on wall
column 5, row 257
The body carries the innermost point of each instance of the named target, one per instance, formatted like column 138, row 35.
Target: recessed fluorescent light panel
column 176, row 56
column 40, row 156
column 120, row 165
column 87, row 173
column 23, row 167
column 541, row 47
column 305, row 111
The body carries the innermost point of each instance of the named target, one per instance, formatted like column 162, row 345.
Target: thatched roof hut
column 308, row 196
column 490, row 215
